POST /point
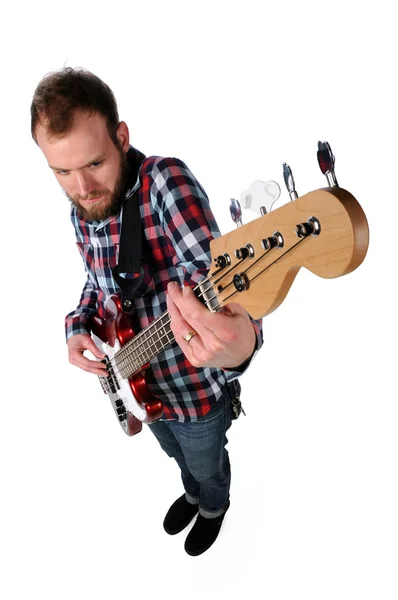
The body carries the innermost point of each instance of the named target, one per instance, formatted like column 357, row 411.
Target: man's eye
column 97, row 163
column 62, row 172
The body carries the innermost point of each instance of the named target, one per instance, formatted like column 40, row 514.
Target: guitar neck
column 154, row 339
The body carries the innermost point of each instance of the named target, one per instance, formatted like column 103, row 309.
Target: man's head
column 75, row 122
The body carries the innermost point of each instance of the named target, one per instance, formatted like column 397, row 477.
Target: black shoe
column 203, row 534
column 179, row 515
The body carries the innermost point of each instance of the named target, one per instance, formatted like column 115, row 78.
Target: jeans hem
column 211, row 514
column 191, row 499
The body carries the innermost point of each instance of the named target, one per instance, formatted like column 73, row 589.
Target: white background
column 234, row 90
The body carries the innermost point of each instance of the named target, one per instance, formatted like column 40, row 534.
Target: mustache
column 91, row 195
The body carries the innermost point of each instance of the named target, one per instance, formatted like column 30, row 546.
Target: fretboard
column 144, row 346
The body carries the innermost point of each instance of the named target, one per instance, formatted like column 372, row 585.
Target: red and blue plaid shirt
column 178, row 226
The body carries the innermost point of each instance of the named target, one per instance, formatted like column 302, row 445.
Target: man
column 75, row 123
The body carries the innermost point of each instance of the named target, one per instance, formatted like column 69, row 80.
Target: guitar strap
column 128, row 273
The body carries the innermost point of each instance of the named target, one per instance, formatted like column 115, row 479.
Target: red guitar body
column 131, row 400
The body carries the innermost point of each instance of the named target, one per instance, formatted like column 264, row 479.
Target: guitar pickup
column 111, row 379
column 111, row 384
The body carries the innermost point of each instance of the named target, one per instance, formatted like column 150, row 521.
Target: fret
column 146, row 346
column 170, row 336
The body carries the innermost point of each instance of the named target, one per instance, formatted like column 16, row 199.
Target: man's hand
column 77, row 345
column 224, row 339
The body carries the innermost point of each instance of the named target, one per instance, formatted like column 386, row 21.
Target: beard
column 110, row 204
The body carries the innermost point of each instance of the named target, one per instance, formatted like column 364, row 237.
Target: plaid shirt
column 178, row 225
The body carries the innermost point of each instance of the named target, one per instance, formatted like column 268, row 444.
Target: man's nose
column 84, row 183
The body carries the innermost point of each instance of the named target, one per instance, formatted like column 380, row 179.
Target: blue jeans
column 199, row 449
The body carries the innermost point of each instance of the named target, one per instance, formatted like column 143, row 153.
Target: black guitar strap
column 128, row 273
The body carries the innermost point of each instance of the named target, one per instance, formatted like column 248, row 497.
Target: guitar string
column 136, row 339
column 146, row 332
column 140, row 350
column 149, row 334
column 123, row 355
column 140, row 355
column 267, row 267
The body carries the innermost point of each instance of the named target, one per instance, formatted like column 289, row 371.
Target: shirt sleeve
column 189, row 226
column 232, row 374
column 185, row 216
column 76, row 321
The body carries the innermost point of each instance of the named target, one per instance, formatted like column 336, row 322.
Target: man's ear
column 123, row 136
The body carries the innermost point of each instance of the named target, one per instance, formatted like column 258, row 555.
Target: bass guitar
column 325, row 231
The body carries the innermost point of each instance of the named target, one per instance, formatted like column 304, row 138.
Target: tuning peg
column 326, row 162
column 236, row 212
column 260, row 196
column 289, row 181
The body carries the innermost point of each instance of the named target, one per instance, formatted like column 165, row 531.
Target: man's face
column 89, row 167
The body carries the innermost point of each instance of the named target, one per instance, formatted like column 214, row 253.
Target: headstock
column 325, row 231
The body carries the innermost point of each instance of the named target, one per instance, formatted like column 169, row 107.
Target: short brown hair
column 61, row 93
